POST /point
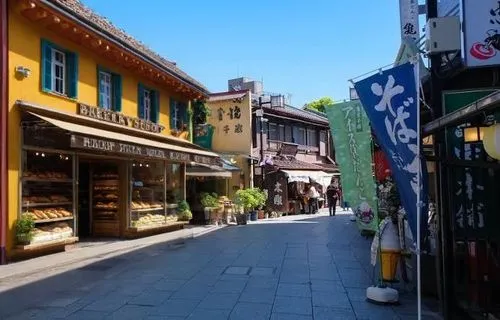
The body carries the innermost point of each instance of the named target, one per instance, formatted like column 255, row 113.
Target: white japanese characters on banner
column 481, row 32
column 408, row 11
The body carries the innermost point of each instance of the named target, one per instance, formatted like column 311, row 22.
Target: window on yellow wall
column 59, row 72
column 110, row 90
column 178, row 115
column 149, row 104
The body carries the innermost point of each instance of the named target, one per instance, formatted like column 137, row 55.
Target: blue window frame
column 178, row 115
column 110, row 90
column 59, row 70
column 149, row 104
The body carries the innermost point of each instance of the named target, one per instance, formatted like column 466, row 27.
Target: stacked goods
column 49, row 175
column 49, row 213
column 52, row 232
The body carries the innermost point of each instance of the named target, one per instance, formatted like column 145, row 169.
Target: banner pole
column 419, row 207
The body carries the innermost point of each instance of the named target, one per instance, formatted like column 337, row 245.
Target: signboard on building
column 277, row 192
column 481, row 33
column 408, row 13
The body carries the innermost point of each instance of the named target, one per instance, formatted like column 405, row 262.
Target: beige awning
column 207, row 171
column 86, row 131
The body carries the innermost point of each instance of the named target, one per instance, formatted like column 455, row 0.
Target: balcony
column 275, row 146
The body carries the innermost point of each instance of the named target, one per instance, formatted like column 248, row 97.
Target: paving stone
column 60, row 302
column 129, row 312
column 356, row 294
column 328, row 299
column 219, row 301
column 366, row 310
column 109, row 303
column 301, row 278
column 262, row 272
column 151, row 297
column 251, row 311
column 237, row 270
column 169, row 284
column 175, row 307
column 209, row 314
column 293, row 305
column 257, row 295
column 326, row 313
column 229, row 286
column 294, row 290
column 288, row 316
column 87, row 315
column 327, row 285
column 192, row 291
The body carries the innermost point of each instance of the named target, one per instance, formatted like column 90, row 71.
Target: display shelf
column 100, row 182
column 47, row 244
column 54, row 219
column 31, row 179
column 146, row 209
column 105, row 208
column 48, row 204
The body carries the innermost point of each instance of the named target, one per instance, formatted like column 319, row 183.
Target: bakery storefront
column 99, row 174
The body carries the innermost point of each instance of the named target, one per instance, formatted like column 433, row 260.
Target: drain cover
column 237, row 270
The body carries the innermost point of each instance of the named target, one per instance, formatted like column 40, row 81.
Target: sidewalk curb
column 93, row 258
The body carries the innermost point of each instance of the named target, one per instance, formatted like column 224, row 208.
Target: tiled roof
column 297, row 113
column 294, row 164
column 88, row 16
column 329, row 167
column 222, row 96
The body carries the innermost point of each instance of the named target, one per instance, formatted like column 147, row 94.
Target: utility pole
column 445, row 248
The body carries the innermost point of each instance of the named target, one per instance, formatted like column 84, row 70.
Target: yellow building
column 231, row 120
column 98, row 128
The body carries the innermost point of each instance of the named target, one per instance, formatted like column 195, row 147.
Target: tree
column 319, row 104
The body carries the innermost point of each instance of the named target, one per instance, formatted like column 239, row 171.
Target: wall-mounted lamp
column 473, row 134
column 23, row 71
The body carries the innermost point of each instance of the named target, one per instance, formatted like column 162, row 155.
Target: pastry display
column 50, row 232
column 49, row 175
column 106, row 176
column 106, row 205
column 135, row 205
column 49, row 213
column 27, row 200
column 149, row 220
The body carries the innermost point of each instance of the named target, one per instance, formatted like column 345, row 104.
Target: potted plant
column 260, row 200
column 24, row 228
column 250, row 199
column 210, row 202
column 184, row 211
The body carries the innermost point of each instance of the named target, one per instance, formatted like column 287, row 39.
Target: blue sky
column 308, row 51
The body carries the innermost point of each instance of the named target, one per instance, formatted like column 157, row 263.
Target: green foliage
column 200, row 112
column 24, row 227
column 319, row 104
column 251, row 198
column 183, row 206
column 185, row 215
column 209, row 200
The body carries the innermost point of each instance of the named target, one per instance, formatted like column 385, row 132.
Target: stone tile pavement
column 302, row 267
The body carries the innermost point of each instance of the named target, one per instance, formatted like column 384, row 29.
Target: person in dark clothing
column 332, row 195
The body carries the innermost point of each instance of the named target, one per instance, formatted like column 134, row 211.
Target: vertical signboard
column 408, row 13
column 481, row 32
column 353, row 150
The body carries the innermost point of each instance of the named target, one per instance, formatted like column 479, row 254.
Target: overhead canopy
column 320, row 177
column 207, row 171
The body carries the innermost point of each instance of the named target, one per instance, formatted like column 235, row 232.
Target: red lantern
column 382, row 168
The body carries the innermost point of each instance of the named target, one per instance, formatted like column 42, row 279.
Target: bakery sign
column 104, row 145
column 118, row 118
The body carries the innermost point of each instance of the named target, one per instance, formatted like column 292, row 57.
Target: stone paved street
column 315, row 268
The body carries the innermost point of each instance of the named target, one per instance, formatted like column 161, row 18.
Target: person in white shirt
column 313, row 196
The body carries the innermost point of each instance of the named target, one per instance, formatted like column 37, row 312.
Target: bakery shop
column 95, row 131
column 82, row 177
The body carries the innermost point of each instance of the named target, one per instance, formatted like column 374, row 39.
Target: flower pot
column 24, row 238
column 241, row 219
column 253, row 215
column 261, row 214
column 267, row 215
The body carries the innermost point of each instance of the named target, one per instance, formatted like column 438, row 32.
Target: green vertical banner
column 351, row 134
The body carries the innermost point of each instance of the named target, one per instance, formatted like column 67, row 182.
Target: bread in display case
column 105, row 200
column 47, row 195
column 147, row 194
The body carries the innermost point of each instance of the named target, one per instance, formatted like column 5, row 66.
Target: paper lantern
column 491, row 141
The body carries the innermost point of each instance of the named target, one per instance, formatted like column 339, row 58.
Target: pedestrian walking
column 332, row 195
column 313, row 196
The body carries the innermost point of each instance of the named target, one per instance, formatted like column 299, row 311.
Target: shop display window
column 47, row 194
column 147, row 195
column 174, row 187
column 105, row 199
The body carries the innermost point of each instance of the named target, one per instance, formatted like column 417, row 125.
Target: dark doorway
column 84, row 200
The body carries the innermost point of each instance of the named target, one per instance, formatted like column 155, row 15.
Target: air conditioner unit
column 443, row 35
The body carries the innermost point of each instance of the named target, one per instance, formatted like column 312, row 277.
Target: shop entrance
column 98, row 198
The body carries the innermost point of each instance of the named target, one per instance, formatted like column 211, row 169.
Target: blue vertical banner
column 390, row 99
